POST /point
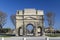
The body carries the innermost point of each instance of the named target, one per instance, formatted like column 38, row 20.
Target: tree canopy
column 3, row 17
column 13, row 18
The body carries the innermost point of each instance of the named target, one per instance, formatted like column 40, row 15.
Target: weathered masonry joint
column 29, row 22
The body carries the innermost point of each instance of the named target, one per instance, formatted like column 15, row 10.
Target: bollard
column 47, row 38
column 24, row 38
column 2, row 38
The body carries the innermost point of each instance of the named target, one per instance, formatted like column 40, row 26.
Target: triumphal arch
column 29, row 22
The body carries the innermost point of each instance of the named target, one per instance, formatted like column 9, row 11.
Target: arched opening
column 30, row 29
column 20, row 31
column 40, row 31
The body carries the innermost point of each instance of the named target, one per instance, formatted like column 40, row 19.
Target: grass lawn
column 7, row 36
column 53, row 35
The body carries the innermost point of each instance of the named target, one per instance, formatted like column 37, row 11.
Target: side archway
column 40, row 28
column 20, row 32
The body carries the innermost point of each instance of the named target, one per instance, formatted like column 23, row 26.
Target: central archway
column 30, row 29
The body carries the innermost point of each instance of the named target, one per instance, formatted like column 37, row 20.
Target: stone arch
column 40, row 30
column 19, row 30
column 30, row 25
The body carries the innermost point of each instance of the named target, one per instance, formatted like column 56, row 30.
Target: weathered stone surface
column 29, row 16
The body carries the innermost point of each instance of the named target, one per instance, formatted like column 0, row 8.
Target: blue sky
column 11, row 6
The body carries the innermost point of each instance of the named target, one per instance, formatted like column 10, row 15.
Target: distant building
column 29, row 18
column 49, row 30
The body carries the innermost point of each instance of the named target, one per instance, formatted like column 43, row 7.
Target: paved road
column 31, row 38
column 26, row 38
column 0, row 38
column 14, row 38
column 54, row 38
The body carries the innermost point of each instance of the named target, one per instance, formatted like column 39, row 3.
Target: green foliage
column 4, row 30
column 53, row 35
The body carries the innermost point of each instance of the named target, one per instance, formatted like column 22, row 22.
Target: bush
column 53, row 35
column 4, row 30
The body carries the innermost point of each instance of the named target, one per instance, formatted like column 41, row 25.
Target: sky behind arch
column 11, row 6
